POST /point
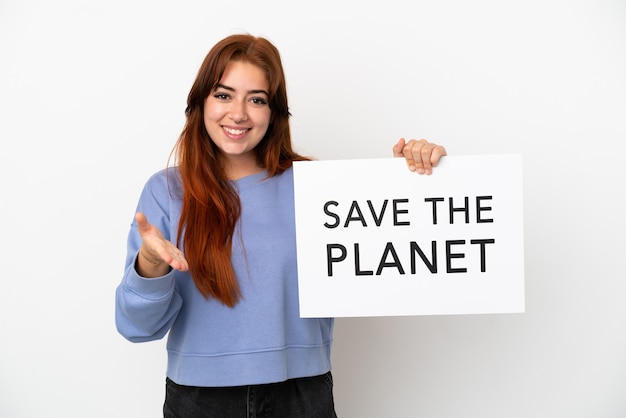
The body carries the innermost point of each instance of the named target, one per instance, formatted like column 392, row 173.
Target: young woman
column 212, row 251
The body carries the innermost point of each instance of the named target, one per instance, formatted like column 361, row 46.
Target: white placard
column 375, row 239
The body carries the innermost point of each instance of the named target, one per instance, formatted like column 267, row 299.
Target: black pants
column 307, row 397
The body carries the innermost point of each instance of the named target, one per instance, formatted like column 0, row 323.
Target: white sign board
column 375, row 239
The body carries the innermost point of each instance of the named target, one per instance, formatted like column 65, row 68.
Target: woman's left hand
column 421, row 155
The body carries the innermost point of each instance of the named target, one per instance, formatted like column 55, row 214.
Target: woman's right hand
column 156, row 254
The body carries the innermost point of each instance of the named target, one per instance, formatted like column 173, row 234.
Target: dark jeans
column 307, row 397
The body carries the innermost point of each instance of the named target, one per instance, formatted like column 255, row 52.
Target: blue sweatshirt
column 260, row 340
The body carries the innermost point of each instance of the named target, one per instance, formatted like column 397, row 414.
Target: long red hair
column 211, row 207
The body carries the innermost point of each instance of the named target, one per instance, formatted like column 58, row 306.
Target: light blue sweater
column 262, row 339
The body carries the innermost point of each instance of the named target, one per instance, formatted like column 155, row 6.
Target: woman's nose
column 238, row 112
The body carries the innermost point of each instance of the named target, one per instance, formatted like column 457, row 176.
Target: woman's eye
column 259, row 101
column 221, row 96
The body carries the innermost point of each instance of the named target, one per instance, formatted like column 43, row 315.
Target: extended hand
column 157, row 251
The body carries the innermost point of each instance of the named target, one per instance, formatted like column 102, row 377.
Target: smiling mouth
column 233, row 131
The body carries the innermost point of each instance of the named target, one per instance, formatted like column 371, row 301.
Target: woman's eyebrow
column 225, row 87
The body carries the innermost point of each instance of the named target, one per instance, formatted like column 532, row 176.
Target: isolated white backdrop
column 92, row 96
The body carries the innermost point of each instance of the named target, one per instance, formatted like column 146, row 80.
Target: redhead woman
column 212, row 251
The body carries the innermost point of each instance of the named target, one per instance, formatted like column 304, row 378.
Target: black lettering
column 329, row 256
column 355, row 207
column 389, row 249
column 482, row 242
column 377, row 219
column 480, row 208
column 331, row 214
column 434, row 200
column 397, row 211
column 431, row 264
column 450, row 255
column 357, row 263
column 464, row 209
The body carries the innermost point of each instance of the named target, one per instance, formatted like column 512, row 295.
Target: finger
column 436, row 155
column 175, row 258
column 140, row 217
column 416, row 151
column 180, row 263
column 407, row 153
column 142, row 223
column 397, row 149
column 431, row 154
column 426, row 153
column 147, row 230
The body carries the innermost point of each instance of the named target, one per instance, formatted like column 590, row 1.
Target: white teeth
column 235, row 131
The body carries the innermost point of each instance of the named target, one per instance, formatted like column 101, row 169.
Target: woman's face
column 237, row 113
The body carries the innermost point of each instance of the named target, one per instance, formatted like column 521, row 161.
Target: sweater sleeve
column 145, row 308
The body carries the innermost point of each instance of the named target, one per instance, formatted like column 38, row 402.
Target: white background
column 92, row 96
